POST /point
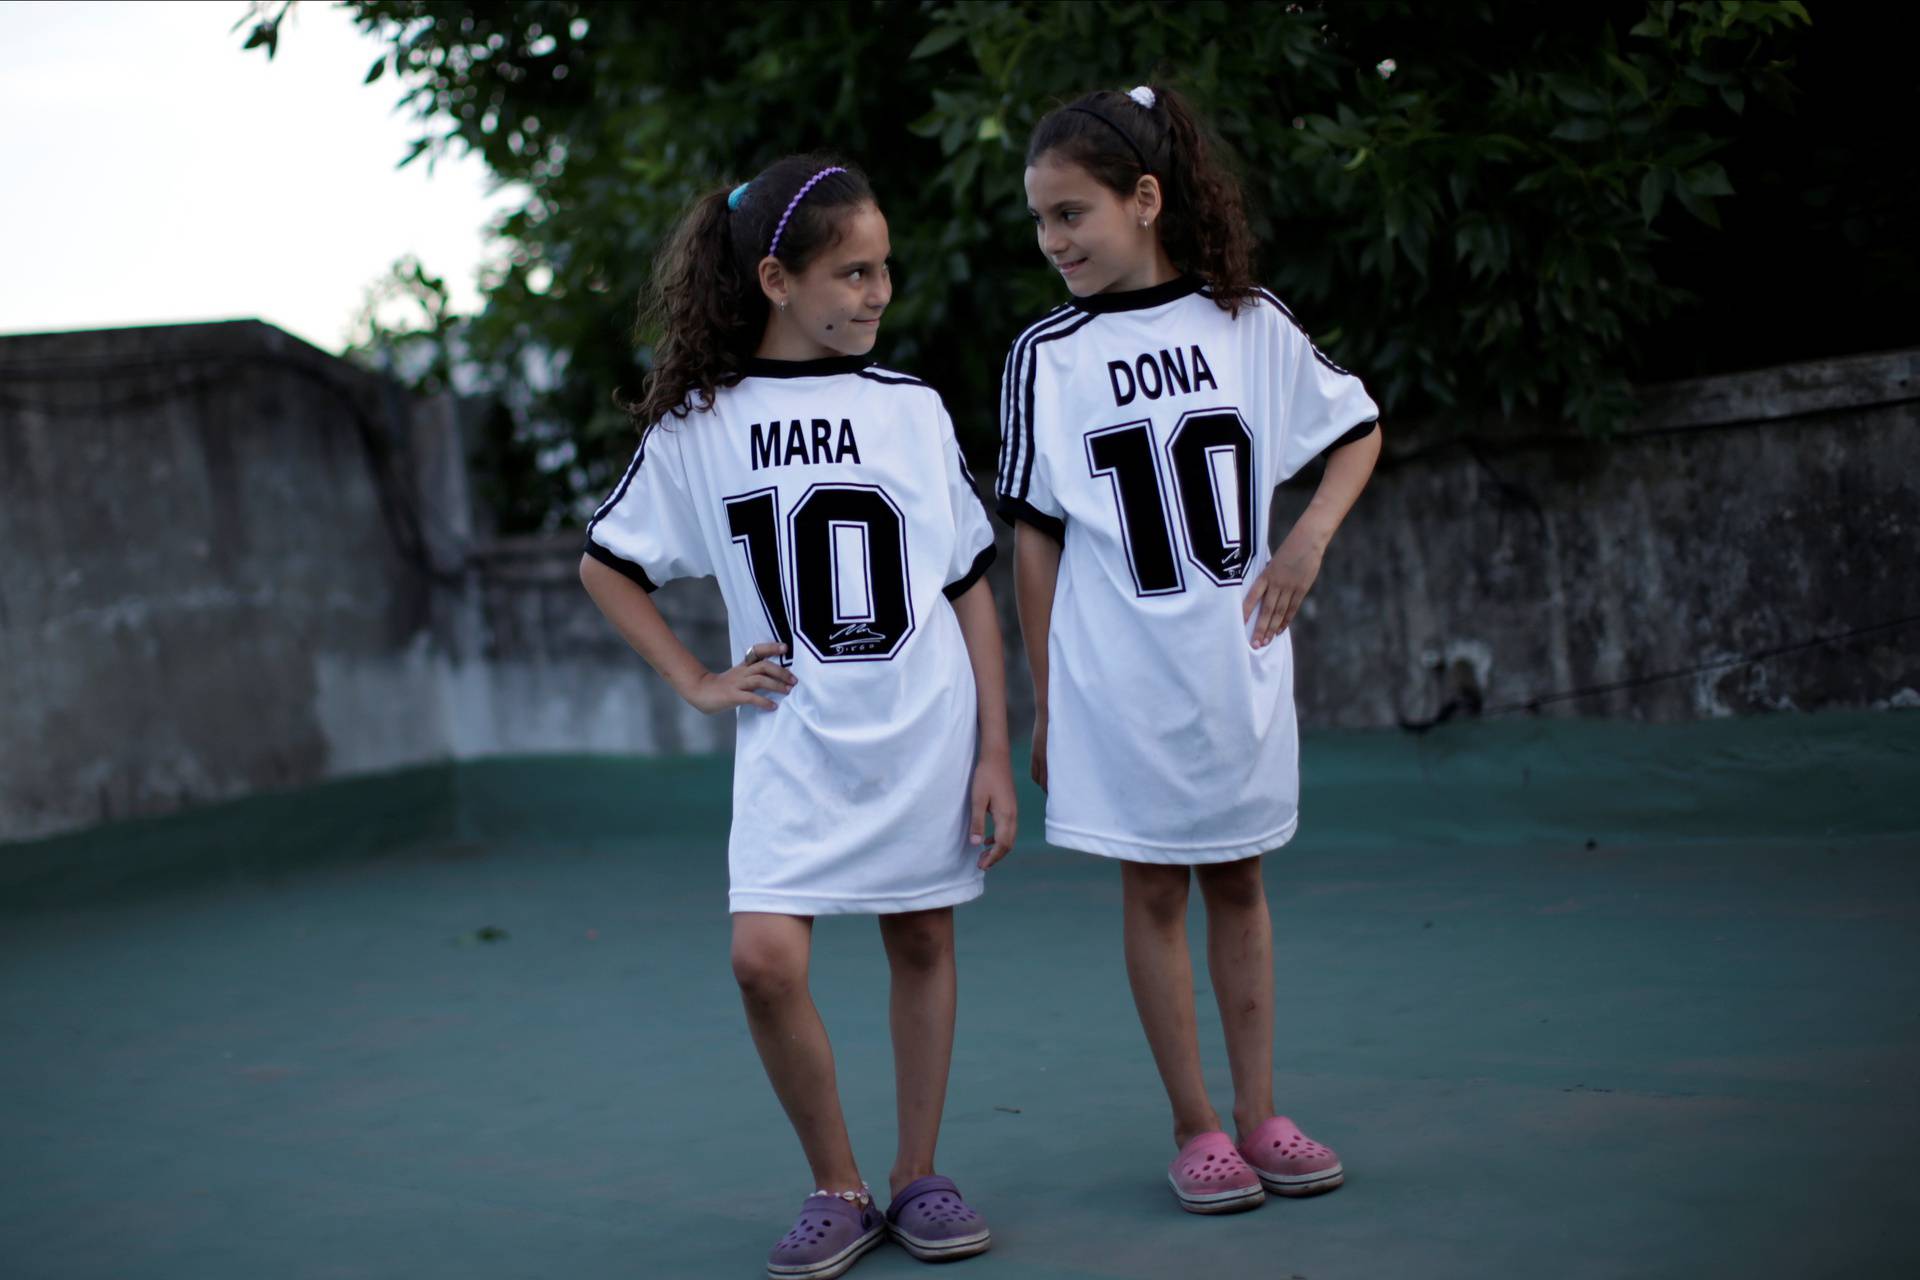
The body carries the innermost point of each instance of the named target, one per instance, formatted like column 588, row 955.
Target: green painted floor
column 1570, row 999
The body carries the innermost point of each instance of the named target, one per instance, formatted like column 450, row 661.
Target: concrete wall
column 1739, row 516
column 188, row 521
column 232, row 562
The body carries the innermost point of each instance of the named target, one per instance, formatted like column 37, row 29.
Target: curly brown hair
column 703, row 312
column 1204, row 227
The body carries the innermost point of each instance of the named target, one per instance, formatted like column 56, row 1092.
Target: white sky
column 151, row 172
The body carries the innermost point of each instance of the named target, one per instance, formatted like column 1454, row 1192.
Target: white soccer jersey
column 830, row 500
column 1147, row 431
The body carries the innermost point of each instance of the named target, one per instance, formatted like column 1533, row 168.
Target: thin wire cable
column 1470, row 704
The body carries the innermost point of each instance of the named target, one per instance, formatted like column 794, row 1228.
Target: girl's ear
column 773, row 280
column 1148, row 205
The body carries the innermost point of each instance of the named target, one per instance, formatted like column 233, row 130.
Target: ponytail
column 1120, row 137
column 704, row 310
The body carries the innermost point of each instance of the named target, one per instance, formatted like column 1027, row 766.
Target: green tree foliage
column 1461, row 199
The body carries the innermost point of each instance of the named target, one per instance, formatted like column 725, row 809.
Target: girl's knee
column 919, row 940
column 1158, row 892
column 768, row 969
column 1233, row 886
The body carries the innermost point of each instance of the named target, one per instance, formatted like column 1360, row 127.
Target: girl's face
column 833, row 307
column 1093, row 237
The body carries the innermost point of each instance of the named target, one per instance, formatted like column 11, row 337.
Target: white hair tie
column 1141, row 94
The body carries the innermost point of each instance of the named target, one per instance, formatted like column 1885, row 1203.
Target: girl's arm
column 633, row 613
column 1284, row 583
column 1036, row 571
column 993, row 775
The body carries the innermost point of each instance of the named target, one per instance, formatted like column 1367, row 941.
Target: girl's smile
column 833, row 307
column 1098, row 241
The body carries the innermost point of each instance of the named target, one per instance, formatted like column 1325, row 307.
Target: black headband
column 1125, row 137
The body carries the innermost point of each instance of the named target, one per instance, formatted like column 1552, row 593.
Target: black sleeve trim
column 954, row 590
column 625, row 568
column 1359, row 431
column 1017, row 511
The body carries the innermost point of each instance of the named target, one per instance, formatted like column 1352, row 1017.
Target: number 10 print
column 1211, row 457
column 846, row 548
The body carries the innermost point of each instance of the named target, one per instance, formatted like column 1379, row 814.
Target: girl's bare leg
column 920, row 953
column 1240, row 958
column 770, row 961
column 1161, row 973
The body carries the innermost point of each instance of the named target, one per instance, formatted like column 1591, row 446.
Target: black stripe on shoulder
column 1017, row 445
column 967, row 471
column 1014, row 432
column 1318, row 354
column 626, row 479
column 1042, row 322
column 1007, row 444
column 622, row 566
column 893, row 379
column 1033, row 369
column 1015, row 511
column 954, row 590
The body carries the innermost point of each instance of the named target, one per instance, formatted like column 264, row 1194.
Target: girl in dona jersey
column 830, row 500
column 1146, row 423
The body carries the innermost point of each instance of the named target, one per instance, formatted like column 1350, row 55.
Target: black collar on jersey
column 1140, row 299
column 757, row 367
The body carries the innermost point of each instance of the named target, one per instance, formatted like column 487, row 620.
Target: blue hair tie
column 737, row 195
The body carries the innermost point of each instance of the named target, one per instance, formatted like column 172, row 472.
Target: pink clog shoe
column 1288, row 1162
column 1210, row 1177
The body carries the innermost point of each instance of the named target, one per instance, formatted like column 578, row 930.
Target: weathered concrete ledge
column 234, row 562
column 1710, row 561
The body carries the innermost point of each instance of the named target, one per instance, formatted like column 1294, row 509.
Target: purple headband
column 773, row 250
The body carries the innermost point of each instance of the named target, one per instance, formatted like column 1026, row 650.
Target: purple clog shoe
column 934, row 1224
column 831, row 1234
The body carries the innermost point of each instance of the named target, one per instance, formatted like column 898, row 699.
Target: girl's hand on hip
column 1277, row 593
column 993, row 794
column 744, row 684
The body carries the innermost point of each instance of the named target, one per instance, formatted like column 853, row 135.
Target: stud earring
column 1143, row 224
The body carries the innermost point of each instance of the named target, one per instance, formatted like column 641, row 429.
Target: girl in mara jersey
column 830, row 500
column 1146, row 423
